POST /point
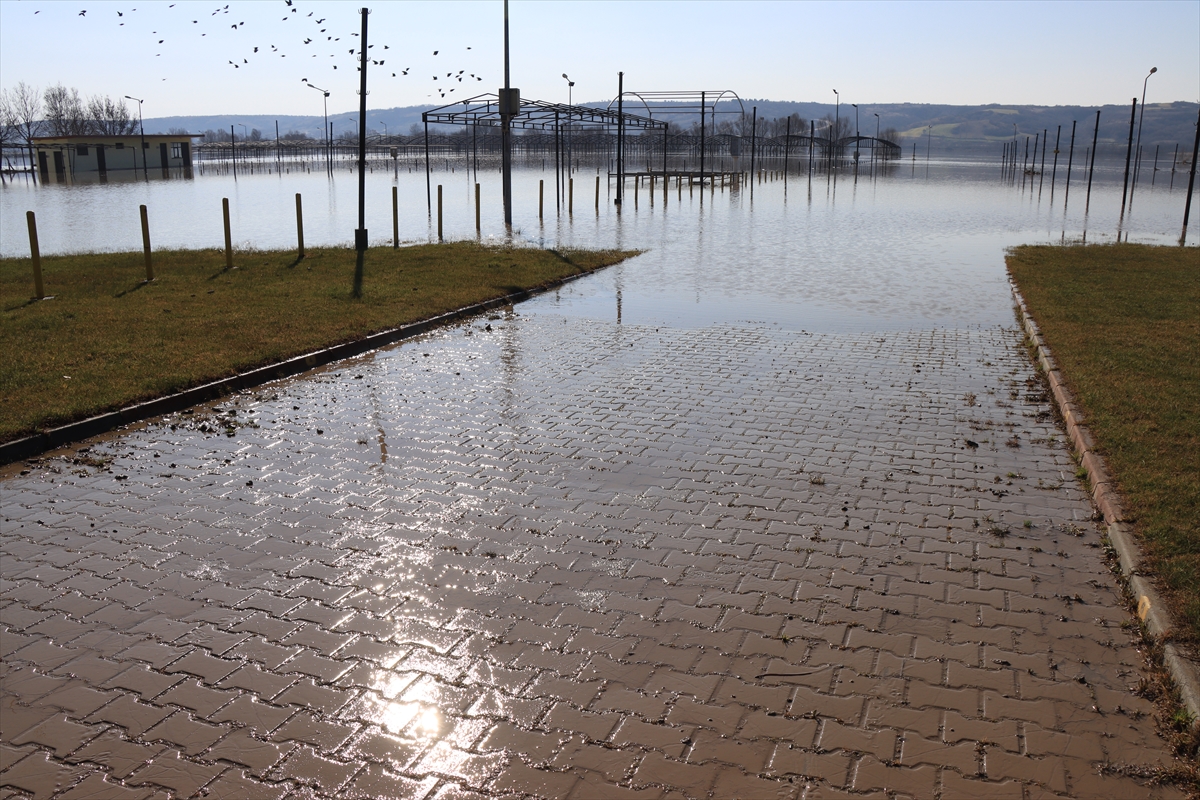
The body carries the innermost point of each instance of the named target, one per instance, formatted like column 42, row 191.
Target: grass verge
column 1123, row 322
column 109, row 339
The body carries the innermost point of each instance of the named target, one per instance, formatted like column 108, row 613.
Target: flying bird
column 435, row 52
column 83, row 13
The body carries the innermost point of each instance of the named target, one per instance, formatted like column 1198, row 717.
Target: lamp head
column 1153, row 70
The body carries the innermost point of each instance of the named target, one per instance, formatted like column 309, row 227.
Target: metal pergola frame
column 484, row 110
column 686, row 102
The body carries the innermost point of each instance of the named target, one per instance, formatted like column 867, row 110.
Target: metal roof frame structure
column 484, row 110
column 685, row 101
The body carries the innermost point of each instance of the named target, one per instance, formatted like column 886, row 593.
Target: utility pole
column 360, row 233
column 1128, row 154
column 510, row 106
column 621, row 138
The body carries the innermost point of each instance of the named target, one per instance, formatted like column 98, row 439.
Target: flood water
column 918, row 244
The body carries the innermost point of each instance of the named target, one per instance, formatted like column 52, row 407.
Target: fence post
column 439, row 212
column 395, row 219
column 228, row 237
column 477, row 228
column 570, row 196
column 299, row 226
column 597, row 194
column 541, row 197
column 146, row 243
column 35, row 253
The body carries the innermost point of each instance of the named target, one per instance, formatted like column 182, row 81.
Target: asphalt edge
column 34, row 445
column 1150, row 610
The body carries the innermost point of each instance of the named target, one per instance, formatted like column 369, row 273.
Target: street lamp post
column 325, row 95
column 1138, row 146
column 837, row 100
column 570, row 104
column 856, row 134
column 142, row 133
column 876, row 143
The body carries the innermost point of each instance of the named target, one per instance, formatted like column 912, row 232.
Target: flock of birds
column 324, row 39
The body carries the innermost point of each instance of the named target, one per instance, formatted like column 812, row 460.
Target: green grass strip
column 1123, row 322
column 108, row 339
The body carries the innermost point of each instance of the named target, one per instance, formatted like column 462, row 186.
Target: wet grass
column 1123, row 321
column 108, row 339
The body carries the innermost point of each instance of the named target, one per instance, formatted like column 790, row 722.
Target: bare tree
column 8, row 121
column 65, row 112
column 108, row 117
column 25, row 102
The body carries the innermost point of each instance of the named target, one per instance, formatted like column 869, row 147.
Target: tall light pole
column 324, row 94
column 929, row 142
column 875, row 144
column 837, row 101
column 142, row 133
column 570, row 104
column 1138, row 146
column 385, row 133
column 856, row 134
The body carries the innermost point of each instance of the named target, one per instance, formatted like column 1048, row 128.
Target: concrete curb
column 93, row 426
column 1150, row 609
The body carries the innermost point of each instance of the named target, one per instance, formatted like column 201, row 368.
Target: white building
column 66, row 159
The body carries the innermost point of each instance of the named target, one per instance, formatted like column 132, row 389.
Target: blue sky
column 177, row 56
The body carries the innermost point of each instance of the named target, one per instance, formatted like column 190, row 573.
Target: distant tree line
column 255, row 135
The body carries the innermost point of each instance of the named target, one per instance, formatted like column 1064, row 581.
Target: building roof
column 103, row 138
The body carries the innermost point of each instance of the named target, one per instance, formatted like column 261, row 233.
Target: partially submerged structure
column 70, row 159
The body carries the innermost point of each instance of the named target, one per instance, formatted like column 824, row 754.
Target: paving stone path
column 567, row 558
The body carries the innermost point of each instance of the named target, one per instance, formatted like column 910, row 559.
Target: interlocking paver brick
column 190, row 734
column 117, row 755
column 97, row 786
column 58, row 734
column 235, row 785
column 42, row 776
column 173, row 771
column 239, row 747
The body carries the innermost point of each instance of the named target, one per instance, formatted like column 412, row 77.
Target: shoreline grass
column 108, row 339
column 1123, row 322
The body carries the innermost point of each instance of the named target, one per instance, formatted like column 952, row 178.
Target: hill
column 953, row 126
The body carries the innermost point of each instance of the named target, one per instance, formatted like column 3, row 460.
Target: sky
column 187, row 57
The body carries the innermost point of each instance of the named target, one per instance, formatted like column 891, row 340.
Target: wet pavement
column 569, row 557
